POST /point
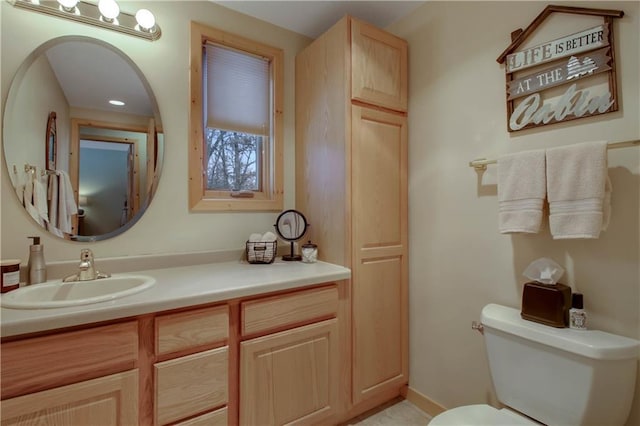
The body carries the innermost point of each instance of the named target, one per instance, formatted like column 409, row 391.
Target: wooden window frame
column 270, row 198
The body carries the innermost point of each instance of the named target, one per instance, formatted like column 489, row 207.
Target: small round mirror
column 291, row 226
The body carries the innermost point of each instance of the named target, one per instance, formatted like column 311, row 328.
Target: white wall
column 458, row 260
column 167, row 226
column 40, row 95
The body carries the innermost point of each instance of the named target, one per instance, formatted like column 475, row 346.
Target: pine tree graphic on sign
column 576, row 69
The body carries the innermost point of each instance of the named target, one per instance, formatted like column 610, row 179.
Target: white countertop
column 178, row 287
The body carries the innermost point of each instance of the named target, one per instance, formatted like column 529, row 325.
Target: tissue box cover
column 547, row 304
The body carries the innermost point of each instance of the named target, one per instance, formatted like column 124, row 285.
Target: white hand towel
column 28, row 200
column 577, row 190
column 255, row 237
column 53, row 199
column 66, row 202
column 18, row 184
column 268, row 237
column 40, row 198
column 521, row 191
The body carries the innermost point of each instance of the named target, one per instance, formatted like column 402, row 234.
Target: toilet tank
column 560, row 376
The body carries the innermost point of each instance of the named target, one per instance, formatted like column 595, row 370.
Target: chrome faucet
column 87, row 270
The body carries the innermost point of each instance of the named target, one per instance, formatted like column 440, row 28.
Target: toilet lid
column 481, row 414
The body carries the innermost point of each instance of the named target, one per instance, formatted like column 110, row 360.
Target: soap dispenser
column 36, row 265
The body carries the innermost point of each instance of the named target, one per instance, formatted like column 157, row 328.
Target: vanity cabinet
column 290, row 376
column 71, row 378
column 351, row 184
column 271, row 359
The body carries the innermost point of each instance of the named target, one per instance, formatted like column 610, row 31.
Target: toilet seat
column 480, row 415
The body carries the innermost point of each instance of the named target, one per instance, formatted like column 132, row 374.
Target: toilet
column 554, row 376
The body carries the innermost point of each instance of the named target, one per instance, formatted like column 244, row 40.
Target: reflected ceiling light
column 68, row 5
column 145, row 19
column 102, row 14
column 109, row 10
column 116, row 102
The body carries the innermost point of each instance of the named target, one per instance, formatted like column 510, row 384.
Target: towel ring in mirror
column 291, row 225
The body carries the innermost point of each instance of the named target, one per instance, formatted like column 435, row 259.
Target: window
column 235, row 156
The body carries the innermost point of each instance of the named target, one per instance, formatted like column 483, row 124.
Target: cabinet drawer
column 46, row 362
column 190, row 385
column 215, row 418
column 184, row 330
column 276, row 312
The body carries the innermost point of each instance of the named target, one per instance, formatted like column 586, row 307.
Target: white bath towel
column 578, row 189
column 521, row 191
column 66, row 202
column 53, row 199
column 27, row 200
column 40, row 197
column 18, row 184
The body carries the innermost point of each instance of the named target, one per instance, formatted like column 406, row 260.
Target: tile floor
column 398, row 412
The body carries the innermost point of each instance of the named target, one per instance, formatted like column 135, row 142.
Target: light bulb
column 145, row 19
column 68, row 5
column 109, row 9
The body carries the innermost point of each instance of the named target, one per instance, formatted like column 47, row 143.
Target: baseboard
column 371, row 403
column 423, row 402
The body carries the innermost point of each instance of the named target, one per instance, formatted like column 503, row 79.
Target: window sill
column 237, row 204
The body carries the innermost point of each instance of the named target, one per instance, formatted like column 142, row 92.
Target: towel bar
column 481, row 163
column 32, row 169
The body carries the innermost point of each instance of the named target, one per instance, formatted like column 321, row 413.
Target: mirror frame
column 51, row 142
column 10, row 100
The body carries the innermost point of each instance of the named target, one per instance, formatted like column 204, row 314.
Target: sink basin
column 56, row 294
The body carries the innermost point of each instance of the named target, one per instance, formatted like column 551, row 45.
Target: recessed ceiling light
column 116, row 102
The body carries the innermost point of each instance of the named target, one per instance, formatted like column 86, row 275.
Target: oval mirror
column 92, row 176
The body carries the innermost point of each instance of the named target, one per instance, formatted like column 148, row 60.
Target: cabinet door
column 290, row 377
column 110, row 400
column 379, row 268
column 378, row 67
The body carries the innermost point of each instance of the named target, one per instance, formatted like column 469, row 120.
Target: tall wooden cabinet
column 351, row 184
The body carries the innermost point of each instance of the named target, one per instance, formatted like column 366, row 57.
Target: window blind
column 238, row 90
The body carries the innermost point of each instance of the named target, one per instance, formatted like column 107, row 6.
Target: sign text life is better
column 582, row 41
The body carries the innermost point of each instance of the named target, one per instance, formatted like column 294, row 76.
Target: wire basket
column 261, row 251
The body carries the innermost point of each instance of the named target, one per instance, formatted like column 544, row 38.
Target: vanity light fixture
column 104, row 14
column 109, row 10
column 68, row 5
column 145, row 19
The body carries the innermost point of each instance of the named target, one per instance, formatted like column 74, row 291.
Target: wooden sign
column 573, row 68
column 568, row 62
column 570, row 45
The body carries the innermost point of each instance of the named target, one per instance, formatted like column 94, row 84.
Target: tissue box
column 547, row 304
